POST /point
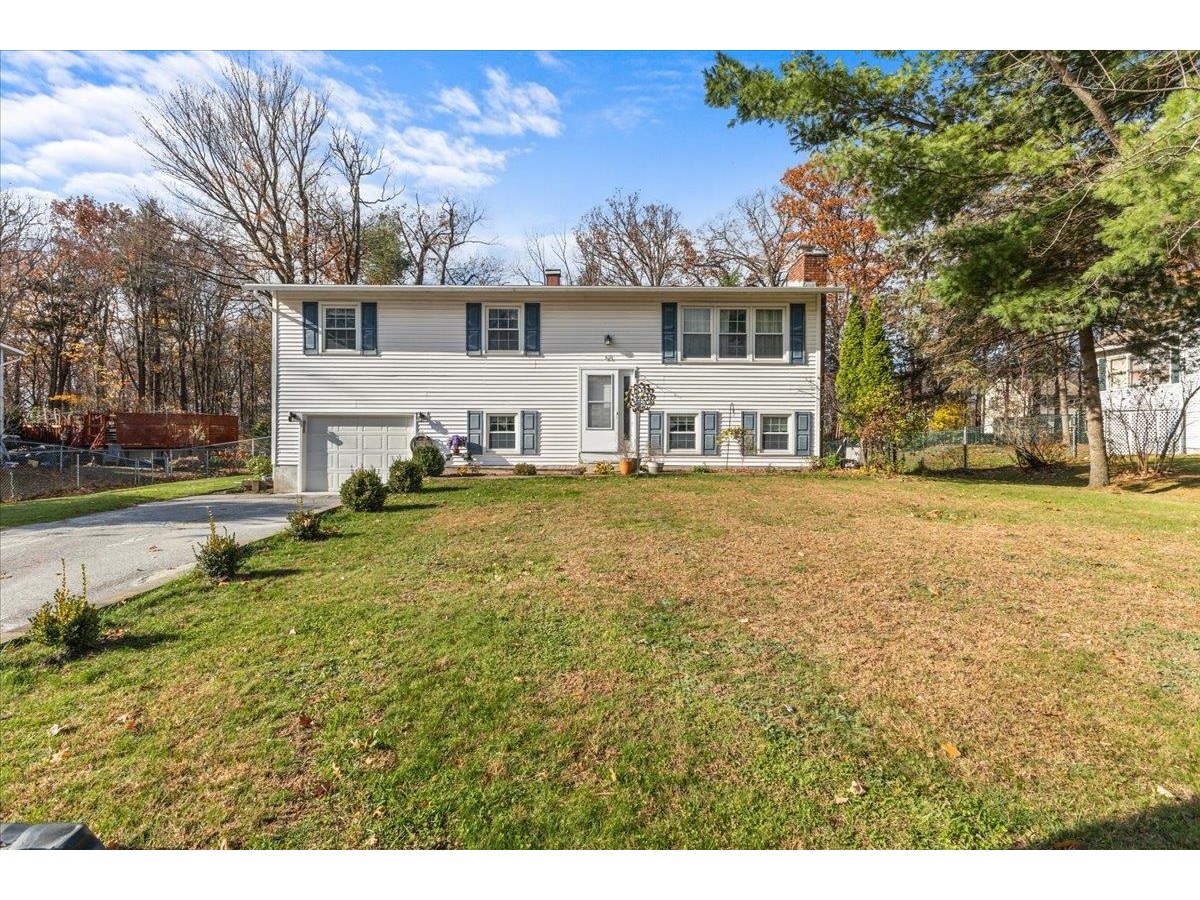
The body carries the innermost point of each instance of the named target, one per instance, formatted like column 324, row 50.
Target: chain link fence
column 32, row 470
column 1133, row 435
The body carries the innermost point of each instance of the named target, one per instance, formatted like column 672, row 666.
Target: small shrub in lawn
column 259, row 465
column 524, row 469
column 405, row 476
column 220, row 556
column 604, row 467
column 363, row 491
column 68, row 621
column 430, row 459
column 304, row 524
column 701, row 469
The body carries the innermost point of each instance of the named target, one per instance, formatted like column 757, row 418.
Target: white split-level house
column 539, row 374
column 1140, row 390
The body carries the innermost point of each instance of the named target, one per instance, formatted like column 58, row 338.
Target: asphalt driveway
column 128, row 550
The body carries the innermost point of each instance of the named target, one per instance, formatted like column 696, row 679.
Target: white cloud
column 507, row 108
column 549, row 61
column 72, row 121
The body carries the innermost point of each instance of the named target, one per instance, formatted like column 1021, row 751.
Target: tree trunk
column 1090, row 378
column 1060, row 380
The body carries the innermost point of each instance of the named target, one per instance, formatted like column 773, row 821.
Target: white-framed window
column 600, row 402
column 681, row 431
column 732, row 340
column 773, row 432
column 768, row 333
column 697, row 332
column 339, row 327
column 502, row 431
column 502, row 327
column 720, row 334
column 1118, row 372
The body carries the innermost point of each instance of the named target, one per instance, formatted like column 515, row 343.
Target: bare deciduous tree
column 543, row 252
column 623, row 241
column 752, row 244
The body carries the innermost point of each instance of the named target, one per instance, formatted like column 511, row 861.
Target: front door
column 600, row 411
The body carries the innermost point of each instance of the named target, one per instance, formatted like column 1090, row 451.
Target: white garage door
column 337, row 445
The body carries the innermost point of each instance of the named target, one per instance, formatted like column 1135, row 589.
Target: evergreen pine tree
column 850, row 352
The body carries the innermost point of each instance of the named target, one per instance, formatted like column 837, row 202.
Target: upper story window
column 713, row 333
column 1118, row 372
column 504, row 328
column 697, row 333
column 768, row 333
column 340, row 327
column 732, row 344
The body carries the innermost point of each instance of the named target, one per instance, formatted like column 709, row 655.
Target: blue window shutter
column 474, row 430
column 474, row 327
column 798, row 322
column 370, row 328
column 1102, row 371
column 533, row 329
column 750, row 425
column 312, row 329
column 529, row 432
column 708, row 429
column 656, row 431
column 804, row 435
column 670, row 332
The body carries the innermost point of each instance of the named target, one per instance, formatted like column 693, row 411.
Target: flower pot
column 654, row 467
column 626, row 466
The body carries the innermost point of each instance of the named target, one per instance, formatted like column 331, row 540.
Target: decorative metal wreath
column 640, row 396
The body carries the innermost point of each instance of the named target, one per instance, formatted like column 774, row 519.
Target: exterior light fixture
column 608, row 340
column 293, row 417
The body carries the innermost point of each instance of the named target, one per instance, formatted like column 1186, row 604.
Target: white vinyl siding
column 421, row 369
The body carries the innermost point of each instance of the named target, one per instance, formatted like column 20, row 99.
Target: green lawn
column 53, row 509
column 682, row 661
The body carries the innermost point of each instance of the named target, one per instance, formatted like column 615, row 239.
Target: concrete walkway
column 126, row 551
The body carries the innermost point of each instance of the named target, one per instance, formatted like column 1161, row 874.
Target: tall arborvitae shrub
column 849, row 363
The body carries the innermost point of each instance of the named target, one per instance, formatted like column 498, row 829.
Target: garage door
column 337, row 445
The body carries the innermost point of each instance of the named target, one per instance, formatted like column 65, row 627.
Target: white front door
column 600, row 411
column 334, row 446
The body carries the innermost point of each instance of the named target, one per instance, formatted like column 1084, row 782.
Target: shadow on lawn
column 258, row 574
column 409, row 507
column 1073, row 476
column 1174, row 825
column 137, row 641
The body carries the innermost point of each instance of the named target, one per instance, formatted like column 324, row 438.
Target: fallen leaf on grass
column 840, row 800
column 60, row 729
column 951, row 750
column 59, row 755
column 857, row 788
column 1068, row 845
column 305, row 721
column 1163, row 792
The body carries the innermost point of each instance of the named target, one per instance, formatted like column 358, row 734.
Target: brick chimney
column 553, row 277
column 812, row 268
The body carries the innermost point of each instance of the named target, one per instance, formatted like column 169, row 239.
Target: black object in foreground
column 48, row 836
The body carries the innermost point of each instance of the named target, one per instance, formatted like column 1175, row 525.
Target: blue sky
column 537, row 137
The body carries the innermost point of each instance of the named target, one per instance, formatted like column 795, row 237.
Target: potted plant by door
column 458, row 446
column 627, row 464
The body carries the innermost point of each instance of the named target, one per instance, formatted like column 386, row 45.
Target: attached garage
column 334, row 446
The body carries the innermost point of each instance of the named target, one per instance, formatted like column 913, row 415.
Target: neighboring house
column 8, row 355
column 1148, row 392
column 539, row 374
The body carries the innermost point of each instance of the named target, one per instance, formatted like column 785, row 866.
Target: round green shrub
column 304, row 524
column 430, row 459
column 363, row 491
column 405, row 476
column 68, row 621
column 524, row 469
column 221, row 555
